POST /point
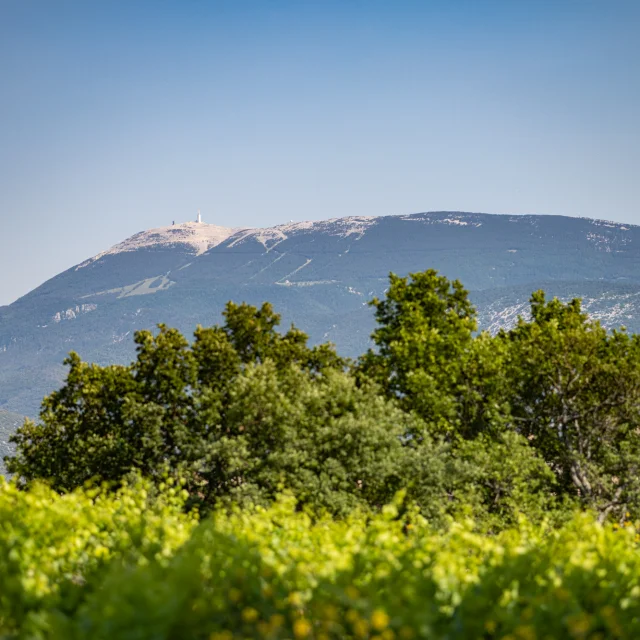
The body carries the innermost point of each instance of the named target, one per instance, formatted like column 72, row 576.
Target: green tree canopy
column 163, row 410
column 427, row 355
column 535, row 419
column 575, row 394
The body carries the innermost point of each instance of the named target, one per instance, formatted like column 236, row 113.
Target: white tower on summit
column 199, row 217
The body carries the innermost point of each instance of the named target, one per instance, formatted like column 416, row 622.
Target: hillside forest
column 448, row 483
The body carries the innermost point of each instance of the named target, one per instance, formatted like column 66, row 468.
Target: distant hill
column 8, row 424
column 319, row 275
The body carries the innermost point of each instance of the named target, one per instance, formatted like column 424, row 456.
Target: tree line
column 540, row 419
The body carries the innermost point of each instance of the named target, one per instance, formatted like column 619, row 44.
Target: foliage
column 428, row 359
column 162, row 412
column 335, row 446
column 559, row 379
column 91, row 566
column 574, row 393
column 498, row 479
column 245, row 412
column 52, row 546
column 533, row 420
column 429, row 491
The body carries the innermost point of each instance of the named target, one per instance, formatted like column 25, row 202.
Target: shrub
column 92, row 566
column 52, row 546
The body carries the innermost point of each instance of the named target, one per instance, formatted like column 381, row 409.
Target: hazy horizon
column 119, row 116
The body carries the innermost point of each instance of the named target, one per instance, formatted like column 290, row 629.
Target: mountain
column 319, row 275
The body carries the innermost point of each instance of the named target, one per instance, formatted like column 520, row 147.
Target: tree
column 245, row 412
column 575, row 394
column 252, row 334
column 338, row 447
column 162, row 411
column 428, row 359
column 334, row 445
column 108, row 421
column 499, row 478
column 75, row 435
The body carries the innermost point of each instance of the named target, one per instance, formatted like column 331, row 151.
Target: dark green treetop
column 427, row 355
column 575, row 394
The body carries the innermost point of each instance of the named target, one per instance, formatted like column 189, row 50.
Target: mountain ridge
column 318, row 274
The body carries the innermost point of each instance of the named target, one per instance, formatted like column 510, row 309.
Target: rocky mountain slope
column 319, row 275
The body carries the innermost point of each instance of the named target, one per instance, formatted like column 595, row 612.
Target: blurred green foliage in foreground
column 132, row 566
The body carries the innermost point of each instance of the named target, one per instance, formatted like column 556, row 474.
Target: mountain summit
column 319, row 275
column 190, row 236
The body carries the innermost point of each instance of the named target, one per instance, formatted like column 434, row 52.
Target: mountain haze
column 319, row 275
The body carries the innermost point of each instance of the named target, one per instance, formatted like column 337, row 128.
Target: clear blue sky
column 116, row 116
